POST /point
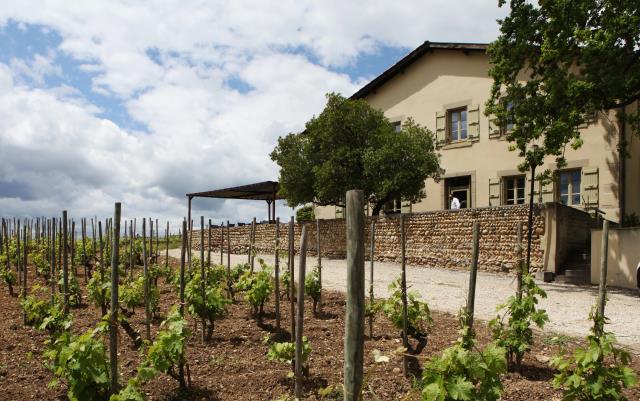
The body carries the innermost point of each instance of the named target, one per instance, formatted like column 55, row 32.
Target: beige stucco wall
column 623, row 257
column 447, row 78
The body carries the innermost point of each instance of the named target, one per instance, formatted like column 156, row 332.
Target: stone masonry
column 439, row 239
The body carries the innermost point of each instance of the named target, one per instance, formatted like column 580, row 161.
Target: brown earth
column 233, row 366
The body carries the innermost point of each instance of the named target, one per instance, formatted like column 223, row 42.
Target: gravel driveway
column 445, row 290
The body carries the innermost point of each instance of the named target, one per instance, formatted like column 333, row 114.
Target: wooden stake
column 113, row 318
column 471, row 296
column 354, row 319
column 221, row 243
column 145, row 273
column 602, row 286
column 300, row 318
column 203, row 277
column 65, row 261
column 291, row 281
column 519, row 262
column 277, row 274
column 319, row 263
column 252, row 255
column 371, row 298
column 405, row 325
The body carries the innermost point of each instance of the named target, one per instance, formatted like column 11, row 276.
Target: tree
column 558, row 62
column 352, row 145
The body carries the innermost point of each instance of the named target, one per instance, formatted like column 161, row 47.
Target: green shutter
column 589, row 186
column 441, row 127
column 473, row 121
column 494, row 192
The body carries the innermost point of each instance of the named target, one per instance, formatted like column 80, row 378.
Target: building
column 444, row 86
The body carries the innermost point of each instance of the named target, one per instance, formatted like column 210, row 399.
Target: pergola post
column 189, row 227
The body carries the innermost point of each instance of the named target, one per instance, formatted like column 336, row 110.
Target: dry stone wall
column 439, row 239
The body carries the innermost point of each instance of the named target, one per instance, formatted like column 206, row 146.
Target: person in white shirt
column 455, row 203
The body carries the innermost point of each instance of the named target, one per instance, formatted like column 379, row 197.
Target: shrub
column 257, row 287
column 286, row 352
column 6, row 274
column 214, row 305
column 131, row 293
column 99, row 289
column 418, row 313
column 598, row 371
column 82, row 362
column 312, row 287
column 516, row 335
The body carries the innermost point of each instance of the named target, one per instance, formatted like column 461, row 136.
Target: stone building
column 444, row 86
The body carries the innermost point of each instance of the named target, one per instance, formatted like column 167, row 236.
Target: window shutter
column 548, row 192
column 339, row 212
column 494, row 127
column 441, row 127
column 494, row 192
column 406, row 207
column 473, row 121
column 589, row 186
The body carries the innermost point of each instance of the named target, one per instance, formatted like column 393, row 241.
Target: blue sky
column 143, row 102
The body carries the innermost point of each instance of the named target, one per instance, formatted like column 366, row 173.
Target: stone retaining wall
column 439, row 239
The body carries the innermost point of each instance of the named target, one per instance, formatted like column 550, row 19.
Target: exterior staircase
column 577, row 267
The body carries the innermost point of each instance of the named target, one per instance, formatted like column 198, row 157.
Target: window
column 508, row 124
column 569, row 188
column 457, row 124
column 514, row 190
column 393, row 207
column 397, row 126
column 460, row 189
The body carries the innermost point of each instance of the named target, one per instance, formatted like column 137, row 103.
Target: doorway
column 460, row 188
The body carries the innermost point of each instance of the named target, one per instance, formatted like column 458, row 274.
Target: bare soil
column 233, row 365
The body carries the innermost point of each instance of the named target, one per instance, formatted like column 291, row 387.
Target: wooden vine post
column 102, row 278
column 221, row 244
column 65, row 261
column 354, row 319
column 145, row 272
column 113, row 317
column 53, row 260
column 132, row 235
column 319, row 264
column 519, row 262
column 229, row 262
column 300, row 317
column 277, row 274
column 203, row 278
column 24, row 270
column 150, row 240
column 209, row 245
column 473, row 273
column 291, row 281
column 371, row 256
column 602, row 286
column 253, row 245
column 183, row 247
column 403, row 284
column 166, row 249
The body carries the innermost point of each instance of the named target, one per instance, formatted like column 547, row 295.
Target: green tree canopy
column 557, row 62
column 350, row 145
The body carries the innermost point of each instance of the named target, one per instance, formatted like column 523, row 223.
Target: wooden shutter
column 441, row 127
column 494, row 127
column 473, row 121
column 495, row 191
column 589, row 186
column 405, row 207
column 548, row 191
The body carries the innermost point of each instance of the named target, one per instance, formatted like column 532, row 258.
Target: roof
column 266, row 190
column 400, row 66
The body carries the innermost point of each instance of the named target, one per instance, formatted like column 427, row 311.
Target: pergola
column 266, row 190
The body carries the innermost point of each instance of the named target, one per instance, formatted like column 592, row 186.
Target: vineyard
column 103, row 313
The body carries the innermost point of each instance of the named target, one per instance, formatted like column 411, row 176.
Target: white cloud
column 169, row 63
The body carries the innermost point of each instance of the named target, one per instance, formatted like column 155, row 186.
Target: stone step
column 575, row 276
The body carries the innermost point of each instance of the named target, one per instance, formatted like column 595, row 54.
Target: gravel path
column 445, row 290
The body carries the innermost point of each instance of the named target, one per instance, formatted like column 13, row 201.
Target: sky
column 143, row 102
